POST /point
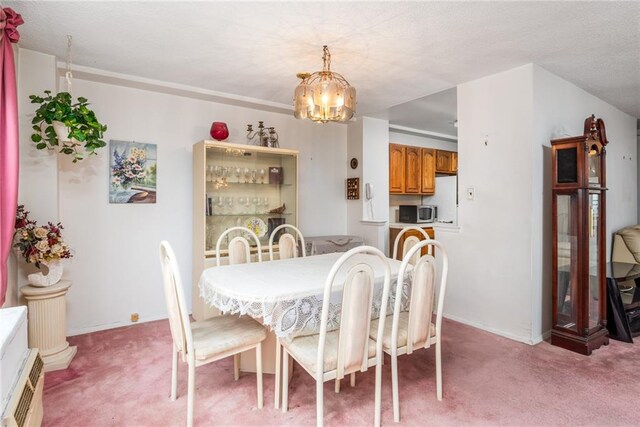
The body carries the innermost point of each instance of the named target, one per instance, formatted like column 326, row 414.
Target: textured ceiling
column 392, row 52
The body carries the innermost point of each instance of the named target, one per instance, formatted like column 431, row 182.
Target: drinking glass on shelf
column 238, row 173
column 209, row 177
column 241, row 202
column 229, row 202
column 262, row 174
column 265, row 203
column 253, row 176
column 218, row 200
column 247, row 175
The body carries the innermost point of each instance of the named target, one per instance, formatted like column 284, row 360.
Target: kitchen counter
column 423, row 225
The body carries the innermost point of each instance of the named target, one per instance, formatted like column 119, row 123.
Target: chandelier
column 324, row 96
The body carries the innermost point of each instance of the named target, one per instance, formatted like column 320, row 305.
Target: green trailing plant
column 84, row 128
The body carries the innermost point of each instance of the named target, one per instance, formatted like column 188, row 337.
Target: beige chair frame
column 357, row 278
column 287, row 240
column 181, row 333
column 409, row 242
column 240, row 242
column 428, row 306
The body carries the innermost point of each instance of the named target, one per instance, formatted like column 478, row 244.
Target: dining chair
column 409, row 242
column 239, row 248
column 411, row 330
column 331, row 355
column 199, row 343
column 239, row 252
column 287, row 242
column 287, row 248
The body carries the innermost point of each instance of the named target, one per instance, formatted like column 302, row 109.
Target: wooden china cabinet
column 578, row 209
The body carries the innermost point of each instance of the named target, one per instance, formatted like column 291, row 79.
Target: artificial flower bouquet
column 39, row 244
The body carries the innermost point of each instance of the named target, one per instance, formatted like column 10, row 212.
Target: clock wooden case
column 579, row 212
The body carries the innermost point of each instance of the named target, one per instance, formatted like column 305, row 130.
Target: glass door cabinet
column 578, row 209
column 238, row 185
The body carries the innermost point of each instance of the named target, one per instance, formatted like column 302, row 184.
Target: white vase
column 62, row 132
column 53, row 276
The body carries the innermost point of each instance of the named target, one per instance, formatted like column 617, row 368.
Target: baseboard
column 105, row 326
column 494, row 331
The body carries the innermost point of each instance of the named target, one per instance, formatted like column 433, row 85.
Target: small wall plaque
column 353, row 188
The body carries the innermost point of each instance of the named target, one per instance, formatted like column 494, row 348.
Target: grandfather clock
column 579, row 290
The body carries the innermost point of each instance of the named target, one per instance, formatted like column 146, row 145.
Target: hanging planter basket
column 71, row 127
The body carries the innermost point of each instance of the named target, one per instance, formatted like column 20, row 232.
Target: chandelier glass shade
column 324, row 96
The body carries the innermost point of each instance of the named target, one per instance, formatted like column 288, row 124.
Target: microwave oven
column 415, row 214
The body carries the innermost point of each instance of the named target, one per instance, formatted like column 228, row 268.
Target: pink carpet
column 122, row 377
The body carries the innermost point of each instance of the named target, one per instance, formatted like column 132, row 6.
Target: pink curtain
column 9, row 21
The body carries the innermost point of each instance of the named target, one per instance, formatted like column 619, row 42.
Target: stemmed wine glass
column 265, row 203
column 229, row 201
column 262, row 174
column 238, row 173
column 241, row 201
column 247, row 175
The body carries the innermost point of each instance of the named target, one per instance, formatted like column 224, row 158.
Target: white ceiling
column 392, row 52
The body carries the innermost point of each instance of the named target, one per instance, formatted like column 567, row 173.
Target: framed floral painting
column 132, row 172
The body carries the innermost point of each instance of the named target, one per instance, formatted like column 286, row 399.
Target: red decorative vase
column 219, row 131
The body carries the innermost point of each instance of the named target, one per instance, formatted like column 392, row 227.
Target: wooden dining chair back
column 410, row 242
column 287, row 242
column 239, row 248
column 199, row 343
column 415, row 329
column 348, row 349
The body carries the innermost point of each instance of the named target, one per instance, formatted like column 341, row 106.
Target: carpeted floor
column 121, row 377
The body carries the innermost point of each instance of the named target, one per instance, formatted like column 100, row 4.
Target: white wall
column 490, row 259
column 501, row 259
column 115, row 270
column 560, row 109
column 368, row 142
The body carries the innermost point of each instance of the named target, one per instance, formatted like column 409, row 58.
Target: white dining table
column 286, row 295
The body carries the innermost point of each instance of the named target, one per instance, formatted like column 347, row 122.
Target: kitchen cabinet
column 412, row 170
column 396, row 168
column 428, row 185
column 238, row 185
column 446, row 162
column 393, row 233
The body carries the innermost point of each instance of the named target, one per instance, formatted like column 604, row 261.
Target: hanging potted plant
column 61, row 123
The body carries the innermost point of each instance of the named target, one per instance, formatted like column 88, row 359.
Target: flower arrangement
column 128, row 169
column 38, row 244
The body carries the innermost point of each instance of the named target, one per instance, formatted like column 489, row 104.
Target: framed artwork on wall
column 132, row 172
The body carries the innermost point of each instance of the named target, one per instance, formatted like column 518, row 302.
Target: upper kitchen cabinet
column 412, row 170
column 396, row 168
column 428, row 170
column 446, row 162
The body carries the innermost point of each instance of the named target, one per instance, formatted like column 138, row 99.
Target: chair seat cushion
column 403, row 326
column 223, row 333
column 305, row 350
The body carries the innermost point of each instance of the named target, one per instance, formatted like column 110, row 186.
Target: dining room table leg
column 277, row 388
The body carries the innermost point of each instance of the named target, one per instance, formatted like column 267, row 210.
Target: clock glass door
column 567, row 261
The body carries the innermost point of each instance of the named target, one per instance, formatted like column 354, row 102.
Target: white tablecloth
column 287, row 294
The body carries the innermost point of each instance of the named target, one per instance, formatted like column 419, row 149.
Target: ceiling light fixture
column 324, row 96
